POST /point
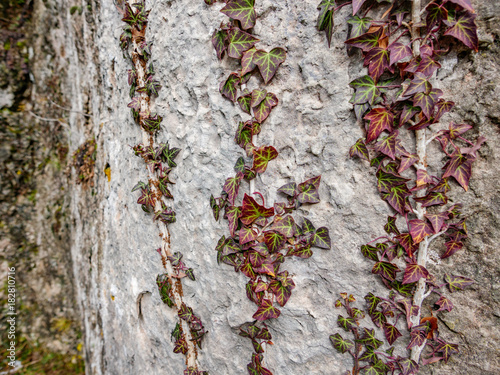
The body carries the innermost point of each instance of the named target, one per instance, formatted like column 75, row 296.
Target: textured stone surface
column 113, row 242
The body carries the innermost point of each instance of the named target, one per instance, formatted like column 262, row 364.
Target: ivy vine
column 155, row 194
column 260, row 238
column 401, row 49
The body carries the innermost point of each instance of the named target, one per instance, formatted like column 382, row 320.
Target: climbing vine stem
column 155, row 196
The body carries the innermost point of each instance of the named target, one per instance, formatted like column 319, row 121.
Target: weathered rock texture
column 113, row 242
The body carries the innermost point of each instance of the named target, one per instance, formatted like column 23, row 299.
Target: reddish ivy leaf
column 386, row 270
column 229, row 88
column 366, row 41
column 268, row 62
column 247, row 270
column 360, row 150
column 380, row 119
column 435, row 14
column 419, row 229
column 418, row 84
column 451, row 248
column 251, row 210
column 433, row 199
column 407, row 366
column 437, row 220
column 257, row 97
column 407, row 162
column 232, row 186
column 262, row 156
column 232, row 214
column 244, row 102
column 303, row 252
column 274, row 241
column 391, row 333
column 239, row 42
column 399, row 51
column 377, row 60
column 427, row 101
column 387, row 145
column 247, row 235
column 456, row 283
column 444, row 304
column 397, row 197
column 427, row 66
column 256, row 259
column 241, row 10
column 282, row 291
column 465, row 30
column 308, row 193
column 370, row 252
column 219, row 39
column 289, row 189
column 285, row 226
column 262, row 110
column 266, row 311
column 247, row 63
column 356, row 6
column 413, row 273
column 460, row 168
column 446, row 349
column 321, row 238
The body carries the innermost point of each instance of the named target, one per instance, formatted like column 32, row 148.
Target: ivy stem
column 341, row 6
column 418, row 297
column 147, row 139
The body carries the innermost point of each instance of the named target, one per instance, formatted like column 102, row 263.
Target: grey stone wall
column 113, row 242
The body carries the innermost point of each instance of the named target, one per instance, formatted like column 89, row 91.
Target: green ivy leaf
column 233, row 213
column 241, row 10
column 368, row 338
column 240, row 165
column 185, row 313
column 340, row 344
column 268, row 62
column 346, row 323
column 370, row 252
column 359, row 25
column 372, row 301
column 366, row 90
column 386, row 270
column 164, row 287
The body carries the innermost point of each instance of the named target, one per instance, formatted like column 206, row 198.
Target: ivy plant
column 401, row 50
column 261, row 238
column 155, row 193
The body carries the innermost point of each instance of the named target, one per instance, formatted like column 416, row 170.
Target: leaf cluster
column 398, row 94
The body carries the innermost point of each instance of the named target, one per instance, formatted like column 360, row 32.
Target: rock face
column 113, row 258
